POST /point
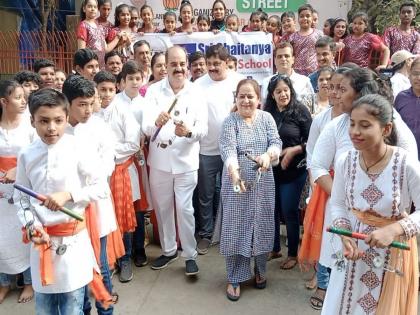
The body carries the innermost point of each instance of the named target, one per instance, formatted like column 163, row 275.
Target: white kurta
column 99, row 136
column 333, row 141
column 127, row 136
column 170, row 153
column 356, row 289
column 14, row 254
column 64, row 166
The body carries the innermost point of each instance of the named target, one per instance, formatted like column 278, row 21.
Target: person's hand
column 9, row 177
column 215, row 31
column 172, row 33
column 141, row 33
column 181, row 130
column 56, row 200
column 162, row 119
column 40, row 236
column 380, row 67
column 351, row 251
column 236, row 180
column 264, row 160
column 287, row 156
column 383, row 237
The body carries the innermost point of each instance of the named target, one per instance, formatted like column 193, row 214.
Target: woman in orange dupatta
column 373, row 189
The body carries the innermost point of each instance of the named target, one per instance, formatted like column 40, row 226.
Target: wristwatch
column 189, row 134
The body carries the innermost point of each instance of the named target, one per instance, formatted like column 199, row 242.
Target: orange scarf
column 7, row 163
column 99, row 291
column 313, row 224
column 123, row 197
column 399, row 295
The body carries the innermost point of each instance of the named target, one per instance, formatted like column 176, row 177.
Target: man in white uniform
column 173, row 158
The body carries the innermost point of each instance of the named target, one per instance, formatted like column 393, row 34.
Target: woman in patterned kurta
column 247, row 227
column 372, row 193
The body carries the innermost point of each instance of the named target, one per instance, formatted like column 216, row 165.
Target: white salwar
column 333, row 141
column 357, row 288
column 14, row 254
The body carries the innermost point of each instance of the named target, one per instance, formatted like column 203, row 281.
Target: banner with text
column 253, row 50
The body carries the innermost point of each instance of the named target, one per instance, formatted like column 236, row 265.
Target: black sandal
column 316, row 301
column 232, row 297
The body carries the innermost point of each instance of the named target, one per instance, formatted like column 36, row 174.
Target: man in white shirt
column 176, row 120
column 284, row 61
column 218, row 88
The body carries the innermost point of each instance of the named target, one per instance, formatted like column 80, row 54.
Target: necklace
column 369, row 167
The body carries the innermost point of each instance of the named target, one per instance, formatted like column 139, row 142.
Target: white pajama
column 168, row 188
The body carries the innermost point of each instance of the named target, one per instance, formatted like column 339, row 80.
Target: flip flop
column 287, row 261
column 232, row 297
column 316, row 301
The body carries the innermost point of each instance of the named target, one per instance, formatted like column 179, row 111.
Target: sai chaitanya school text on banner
column 254, row 50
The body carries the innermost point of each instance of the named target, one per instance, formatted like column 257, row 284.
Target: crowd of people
column 219, row 159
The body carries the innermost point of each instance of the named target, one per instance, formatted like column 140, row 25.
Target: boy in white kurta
column 125, row 184
column 62, row 258
column 93, row 132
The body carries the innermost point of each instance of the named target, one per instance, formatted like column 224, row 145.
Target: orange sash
column 313, row 224
column 7, row 163
column 123, row 197
column 399, row 295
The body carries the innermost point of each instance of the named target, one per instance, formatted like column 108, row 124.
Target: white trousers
column 167, row 188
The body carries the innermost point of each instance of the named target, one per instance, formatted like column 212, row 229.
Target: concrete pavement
column 170, row 292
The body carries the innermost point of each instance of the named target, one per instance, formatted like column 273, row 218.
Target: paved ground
column 169, row 292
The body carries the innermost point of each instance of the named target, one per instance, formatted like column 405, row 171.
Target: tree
column 382, row 13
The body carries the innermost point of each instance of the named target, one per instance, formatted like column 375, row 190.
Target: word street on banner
column 254, row 50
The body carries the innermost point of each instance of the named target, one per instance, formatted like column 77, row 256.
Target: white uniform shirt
column 134, row 105
column 99, row 136
column 46, row 169
column 181, row 153
column 220, row 99
column 127, row 136
column 301, row 84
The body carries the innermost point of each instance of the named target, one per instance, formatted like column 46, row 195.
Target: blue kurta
column 247, row 226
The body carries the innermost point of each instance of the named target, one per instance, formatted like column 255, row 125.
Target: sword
column 159, row 128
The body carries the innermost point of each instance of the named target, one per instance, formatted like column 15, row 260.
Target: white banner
column 253, row 50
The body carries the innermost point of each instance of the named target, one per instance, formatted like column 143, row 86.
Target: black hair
column 153, row 62
column 408, row 4
column 306, row 7
column 330, row 22
column 43, row 63
column 325, row 41
column 112, row 53
column 326, row 69
column 47, row 97
column 118, row 10
column 77, row 86
column 365, row 81
column 336, row 21
column 222, row 3
column 277, row 18
column 104, row 76
column 186, row 3
column 102, row 2
column 288, row 14
column 349, row 65
column 27, row 76
column 217, row 51
column 363, row 15
column 205, row 17
column 130, row 67
column 168, row 14
column 82, row 13
column 293, row 108
column 118, row 78
column 7, row 87
column 195, row 56
column 133, row 8
column 234, row 59
column 283, row 45
column 144, row 7
column 259, row 13
column 380, row 108
column 83, row 56
column 140, row 43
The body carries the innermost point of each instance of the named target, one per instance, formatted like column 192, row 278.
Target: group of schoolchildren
column 80, row 144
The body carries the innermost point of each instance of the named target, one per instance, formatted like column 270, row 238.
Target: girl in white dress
column 16, row 132
column 374, row 187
